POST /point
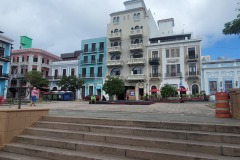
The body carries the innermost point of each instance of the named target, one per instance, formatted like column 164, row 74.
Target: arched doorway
column 195, row 89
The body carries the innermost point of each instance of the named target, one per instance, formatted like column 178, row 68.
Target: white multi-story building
column 148, row 56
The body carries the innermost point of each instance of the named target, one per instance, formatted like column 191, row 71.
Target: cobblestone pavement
column 197, row 112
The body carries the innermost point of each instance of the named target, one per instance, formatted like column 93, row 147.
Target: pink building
column 26, row 60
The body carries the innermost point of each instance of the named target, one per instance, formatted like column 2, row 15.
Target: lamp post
column 180, row 85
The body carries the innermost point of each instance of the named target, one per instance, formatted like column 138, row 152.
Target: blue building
column 92, row 66
column 5, row 49
column 220, row 75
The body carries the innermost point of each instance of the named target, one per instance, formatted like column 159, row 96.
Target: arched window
column 132, row 28
column 117, row 19
column 141, row 27
column 137, row 55
column 138, row 16
column 135, row 16
column 115, row 72
column 115, row 44
column 116, row 30
column 137, row 70
column 136, row 41
column 136, row 27
column 114, row 20
column 115, row 57
column 120, row 30
column 111, row 31
column 195, row 89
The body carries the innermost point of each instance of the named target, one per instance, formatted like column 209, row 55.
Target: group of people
column 94, row 100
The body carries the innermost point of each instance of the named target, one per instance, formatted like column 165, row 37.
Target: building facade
column 68, row 66
column 92, row 64
column 5, row 49
column 220, row 75
column 127, row 35
column 26, row 60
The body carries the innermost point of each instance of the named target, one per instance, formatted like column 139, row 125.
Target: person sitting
column 93, row 99
column 103, row 98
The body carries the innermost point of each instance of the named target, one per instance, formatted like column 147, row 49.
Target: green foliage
column 114, row 86
column 70, row 83
column 35, row 79
column 167, row 91
column 232, row 27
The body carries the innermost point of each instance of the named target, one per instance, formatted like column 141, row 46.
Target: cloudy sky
column 58, row 26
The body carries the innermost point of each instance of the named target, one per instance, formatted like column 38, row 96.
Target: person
column 93, row 99
column 103, row 98
column 34, row 96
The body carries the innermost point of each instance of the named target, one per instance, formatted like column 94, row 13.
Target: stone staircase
column 68, row 138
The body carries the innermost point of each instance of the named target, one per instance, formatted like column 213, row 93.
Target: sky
column 58, row 26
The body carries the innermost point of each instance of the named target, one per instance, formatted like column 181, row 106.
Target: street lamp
column 180, row 85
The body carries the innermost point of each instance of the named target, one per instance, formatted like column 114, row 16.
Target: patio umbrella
column 154, row 90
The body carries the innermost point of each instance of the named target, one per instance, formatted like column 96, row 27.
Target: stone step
column 231, row 138
column 114, row 145
column 57, row 153
column 13, row 156
column 147, row 124
column 143, row 154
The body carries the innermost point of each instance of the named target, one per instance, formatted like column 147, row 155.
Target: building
column 220, row 74
column 174, row 59
column 5, row 49
column 92, row 66
column 26, row 60
column 127, row 35
column 68, row 66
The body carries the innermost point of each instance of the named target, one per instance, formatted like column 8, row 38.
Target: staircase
column 68, row 138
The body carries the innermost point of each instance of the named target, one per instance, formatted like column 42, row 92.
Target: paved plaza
column 197, row 112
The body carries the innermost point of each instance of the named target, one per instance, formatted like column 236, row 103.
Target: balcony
column 136, row 61
column 193, row 75
column 136, row 33
column 54, row 78
column 114, row 49
column 173, row 74
column 115, row 36
column 193, row 58
column 155, row 75
column 136, row 47
column 154, row 61
column 5, row 58
column 136, row 77
column 4, row 76
column 93, row 61
column 115, row 63
column 89, row 75
column 117, row 76
column 45, row 65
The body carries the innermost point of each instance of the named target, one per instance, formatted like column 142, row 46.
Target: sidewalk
column 196, row 112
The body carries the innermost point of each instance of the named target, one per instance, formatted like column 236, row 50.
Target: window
column 99, row 72
column 85, row 47
column 213, row 87
column 22, row 70
column 64, row 74
column 191, row 53
column 17, row 59
column 35, row 59
column 171, row 53
column 72, row 71
column 47, row 73
column 47, row 61
column 115, row 72
column 94, row 47
column 136, row 16
column 137, row 70
column 1, row 69
column 85, row 59
column 42, row 60
column 93, row 59
column 27, row 58
column 91, row 71
column 173, row 70
column 22, row 58
column 192, row 69
column 100, row 57
column 90, row 90
column 13, row 59
column 167, row 53
column 154, row 71
column 101, row 47
column 115, row 57
column 83, row 72
column 1, row 51
column 228, row 84
column 116, row 19
column 137, row 55
column 55, row 73
column 154, row 54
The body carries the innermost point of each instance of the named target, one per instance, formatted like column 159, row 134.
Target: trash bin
column 235, row 102
column 222, row 105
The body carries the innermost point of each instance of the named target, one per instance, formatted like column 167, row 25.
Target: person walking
column 34, row 96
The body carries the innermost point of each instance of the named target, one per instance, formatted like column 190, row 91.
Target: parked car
column 88, row 98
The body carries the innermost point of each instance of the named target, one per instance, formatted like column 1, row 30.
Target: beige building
column 147, row 55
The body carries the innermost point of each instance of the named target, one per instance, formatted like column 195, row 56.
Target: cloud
column 58, row 26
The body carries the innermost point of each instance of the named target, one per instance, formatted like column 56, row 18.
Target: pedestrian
column 93, row 99
column 34, row 96
column 103, row 98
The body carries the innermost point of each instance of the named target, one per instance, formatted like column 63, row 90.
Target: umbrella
column 154, row 90
column 181, row 89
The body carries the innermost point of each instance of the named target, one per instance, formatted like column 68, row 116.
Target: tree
column 35, row 79
column 71, row 83
column 167, row 90
column 232, row 27
column 114, row 86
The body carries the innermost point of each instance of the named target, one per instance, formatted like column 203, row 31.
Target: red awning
column 154, row 90
column 181, row 89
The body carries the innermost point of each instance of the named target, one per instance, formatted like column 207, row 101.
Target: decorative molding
column 227, row 74
column 212, row 74
column 172, row 60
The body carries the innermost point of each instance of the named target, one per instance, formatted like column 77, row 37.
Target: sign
column 132, row 93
